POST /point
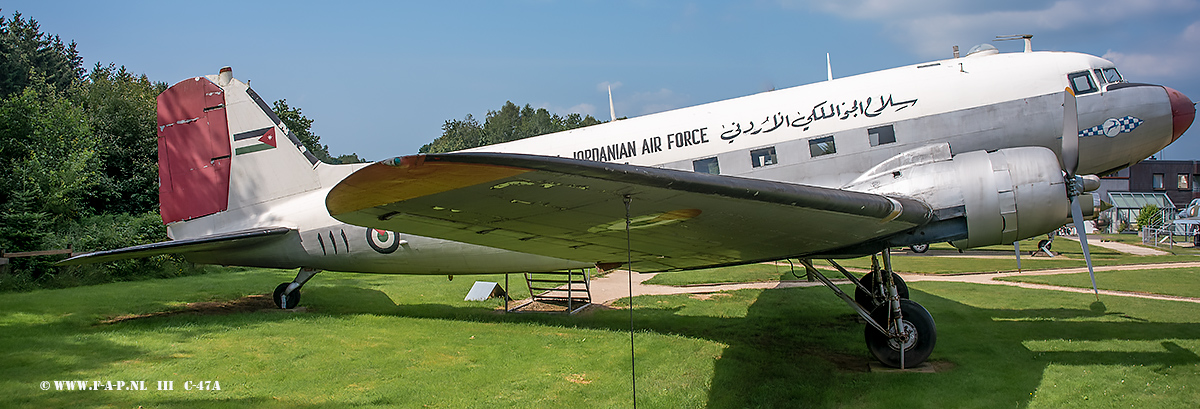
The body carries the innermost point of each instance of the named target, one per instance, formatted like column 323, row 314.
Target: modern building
column 1168, row 184
column 1176, row 178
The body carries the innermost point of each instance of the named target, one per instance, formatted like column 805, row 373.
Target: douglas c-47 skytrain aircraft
column 985, row 149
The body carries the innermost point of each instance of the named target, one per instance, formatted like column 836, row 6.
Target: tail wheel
column 916, row 337
column 288, row 302
column 878, row 290
column 919, row 248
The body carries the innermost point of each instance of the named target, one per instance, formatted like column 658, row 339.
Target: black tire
column 293, row 299
column 869, row 301
column 919, row 248
column 917, row 349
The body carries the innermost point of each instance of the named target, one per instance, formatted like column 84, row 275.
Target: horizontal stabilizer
column 573, row 209
column 220, row 241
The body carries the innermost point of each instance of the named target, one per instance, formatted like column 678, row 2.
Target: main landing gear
column 899, row 332
column 287, row 295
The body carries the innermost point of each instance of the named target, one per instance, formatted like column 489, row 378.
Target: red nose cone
column 1182, row 111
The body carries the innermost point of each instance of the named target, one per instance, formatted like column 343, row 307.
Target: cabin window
column 1082, row 83
column 821, row 146
column 763, row 157
column 1183, row 183
column 1156, row 181
column 882, row 135
column 708, row 165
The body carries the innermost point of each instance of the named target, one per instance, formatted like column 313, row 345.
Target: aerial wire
column 629, row 270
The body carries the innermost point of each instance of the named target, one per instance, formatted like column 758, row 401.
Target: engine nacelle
column 1005, row 196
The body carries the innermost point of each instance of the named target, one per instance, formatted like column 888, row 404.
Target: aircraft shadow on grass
column 793, row 347
column 801, row 347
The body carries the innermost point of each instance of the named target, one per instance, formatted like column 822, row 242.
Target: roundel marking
column 383, row 241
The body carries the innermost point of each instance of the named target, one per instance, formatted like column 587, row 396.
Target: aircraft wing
column 574, row 209
column 236, row 239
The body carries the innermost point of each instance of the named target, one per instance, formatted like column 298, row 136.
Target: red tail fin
column 193, row 150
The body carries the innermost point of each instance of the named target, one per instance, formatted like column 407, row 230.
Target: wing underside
column 576, row 210
column 231, row 240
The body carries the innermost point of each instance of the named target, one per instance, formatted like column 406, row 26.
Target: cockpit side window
column 1082, row 83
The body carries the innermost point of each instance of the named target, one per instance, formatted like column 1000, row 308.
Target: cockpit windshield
column 1083, row 82
column 1108, row 75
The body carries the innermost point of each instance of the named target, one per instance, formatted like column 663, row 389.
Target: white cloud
column 581, row 108
column 1173, row 59
column 930, row 27
column 584, row 109
column 643, row 103
column 604, row 86
column 1192, row 33
column 625, row 105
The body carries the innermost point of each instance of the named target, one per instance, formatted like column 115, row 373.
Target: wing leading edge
column 576, row 210
column 236, row 239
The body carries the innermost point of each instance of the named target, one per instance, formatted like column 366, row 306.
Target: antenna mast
column 612, row 113
column 828, row 69
column 1027, row 37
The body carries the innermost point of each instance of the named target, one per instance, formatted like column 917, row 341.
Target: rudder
column 218, row 150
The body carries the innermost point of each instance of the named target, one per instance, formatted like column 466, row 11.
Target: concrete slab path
column 616, row 285
column 1122, row 247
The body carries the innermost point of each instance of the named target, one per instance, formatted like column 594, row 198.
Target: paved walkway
column 616, row 284
column 1122, row 247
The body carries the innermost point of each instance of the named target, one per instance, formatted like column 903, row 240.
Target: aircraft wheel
column 293, row 299
column 917, row 343
column 919, row 248
column 876, row 286
column 1045, row 245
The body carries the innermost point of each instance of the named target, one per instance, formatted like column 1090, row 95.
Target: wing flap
column 575, row 209
column 237, row 239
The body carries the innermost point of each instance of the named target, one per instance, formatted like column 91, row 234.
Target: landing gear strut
column 873, row 290
column 900, row 332
column 287, row 295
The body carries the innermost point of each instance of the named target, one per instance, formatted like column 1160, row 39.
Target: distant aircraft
column 1188, row 221
column 979, row 150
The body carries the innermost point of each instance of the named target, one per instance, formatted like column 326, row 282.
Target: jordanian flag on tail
column 254, row 141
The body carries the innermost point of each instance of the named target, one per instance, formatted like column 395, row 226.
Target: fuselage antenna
column 612, row 113
column 1027, row 37
column 828, row 68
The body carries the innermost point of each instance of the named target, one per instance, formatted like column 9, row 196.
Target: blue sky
column 379, row 79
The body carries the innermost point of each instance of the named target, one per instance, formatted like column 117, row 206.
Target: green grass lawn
column 1184, row 282
column 943, row 259
column 386, row 341
column 736, row 274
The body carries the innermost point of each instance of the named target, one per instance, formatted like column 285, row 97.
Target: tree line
column 79, row 158
column 509, row 123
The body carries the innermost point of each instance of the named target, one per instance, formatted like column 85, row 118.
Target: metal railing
column 1168, row 234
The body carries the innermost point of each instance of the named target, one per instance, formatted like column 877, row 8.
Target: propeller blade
column 1077, row 215
column 1017, row 249
column 1070, row 135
